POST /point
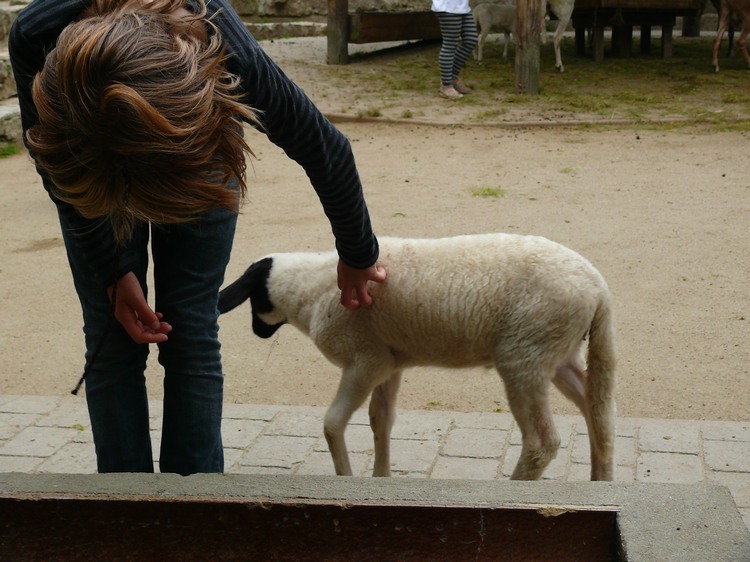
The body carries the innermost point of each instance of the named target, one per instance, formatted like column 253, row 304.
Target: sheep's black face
column 263, row 330
column 253, row 285
column 260, row 301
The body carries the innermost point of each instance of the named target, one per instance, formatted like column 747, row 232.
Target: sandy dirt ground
column 664, row 215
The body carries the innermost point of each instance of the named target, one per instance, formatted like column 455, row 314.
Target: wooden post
column 666, row 40
column 598, row 43
column 338, row 31
column 691, row 25
column 645, row 39
column 528, row 36
column 581, row 41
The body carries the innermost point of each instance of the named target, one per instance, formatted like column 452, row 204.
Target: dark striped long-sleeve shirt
column 287, row 116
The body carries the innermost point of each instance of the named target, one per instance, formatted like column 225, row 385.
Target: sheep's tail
column 234, row 294
column 600, row 391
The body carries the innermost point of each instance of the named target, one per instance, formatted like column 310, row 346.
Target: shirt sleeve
column 292, row 122
column 45, row 20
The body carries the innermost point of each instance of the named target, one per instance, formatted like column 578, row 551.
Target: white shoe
column 450, row 93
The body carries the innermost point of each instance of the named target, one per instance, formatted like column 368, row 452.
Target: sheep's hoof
column 561, row 68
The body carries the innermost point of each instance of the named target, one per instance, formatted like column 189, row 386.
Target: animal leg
column 717, row 44
column 742, row 42
column 570, row 380
column 382, row 416
column 506, row 34
column 558, row 57
column 562, row 24
column 724, row 15
column 355, row 386
column 599, row 394
column 529, row 403
column 480, row 43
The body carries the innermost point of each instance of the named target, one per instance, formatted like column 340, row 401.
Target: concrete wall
column 654, row 522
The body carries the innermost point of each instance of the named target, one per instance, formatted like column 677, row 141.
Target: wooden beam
column 374, row 27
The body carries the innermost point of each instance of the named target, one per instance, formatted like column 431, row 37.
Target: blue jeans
column 189, row 264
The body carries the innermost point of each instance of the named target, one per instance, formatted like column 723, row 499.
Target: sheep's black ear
column 252, row 285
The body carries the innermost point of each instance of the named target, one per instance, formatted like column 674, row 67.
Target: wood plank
column 374, row 27
column 673, row 6
column 608, row 18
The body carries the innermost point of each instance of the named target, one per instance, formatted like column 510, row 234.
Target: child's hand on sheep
column 353, row 284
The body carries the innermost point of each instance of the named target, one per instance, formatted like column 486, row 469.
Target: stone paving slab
column 50, row 434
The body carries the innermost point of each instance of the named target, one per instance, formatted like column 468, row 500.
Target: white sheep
column 522, row 304
column 499, row 11
column 499, row 17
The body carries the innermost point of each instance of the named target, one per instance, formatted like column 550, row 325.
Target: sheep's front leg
column 382, row 416
column 480, row 44
column 356, row 384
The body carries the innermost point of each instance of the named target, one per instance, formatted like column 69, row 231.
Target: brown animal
column 734, row 23
column 741, row 10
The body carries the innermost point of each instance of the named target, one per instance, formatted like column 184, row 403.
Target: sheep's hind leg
column 382, row 416
column 529, row 403
column 571, row 380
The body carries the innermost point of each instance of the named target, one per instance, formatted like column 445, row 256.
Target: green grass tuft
column 8, row 149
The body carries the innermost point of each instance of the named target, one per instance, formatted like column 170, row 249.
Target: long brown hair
column 138, row 118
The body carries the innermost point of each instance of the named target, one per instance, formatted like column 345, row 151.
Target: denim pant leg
column 115, row 384
column 189, row 264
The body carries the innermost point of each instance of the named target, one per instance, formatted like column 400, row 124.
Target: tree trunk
column 338, row 31
column 528, row 34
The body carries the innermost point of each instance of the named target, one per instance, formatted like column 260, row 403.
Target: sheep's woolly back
column 453, row 301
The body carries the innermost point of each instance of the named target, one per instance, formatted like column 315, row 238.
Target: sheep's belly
column 445, row 349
